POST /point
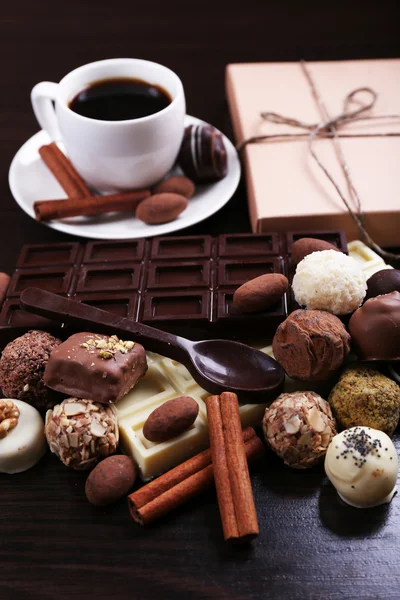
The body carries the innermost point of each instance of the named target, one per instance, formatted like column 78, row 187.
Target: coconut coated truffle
column 365, row 397
column 299, row 428
column 22, row 367
column 331, row 281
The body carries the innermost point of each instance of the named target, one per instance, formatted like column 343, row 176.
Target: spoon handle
column 72, row 312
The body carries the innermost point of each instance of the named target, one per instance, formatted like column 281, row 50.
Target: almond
column 176, row 185
column 110, row 480
column 161, row 208
column 260, row 293
column 171, row 419
column 305, row 246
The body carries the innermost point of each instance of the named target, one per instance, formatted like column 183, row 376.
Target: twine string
column 329, row 128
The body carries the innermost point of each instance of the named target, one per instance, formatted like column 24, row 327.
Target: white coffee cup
column 114, row 155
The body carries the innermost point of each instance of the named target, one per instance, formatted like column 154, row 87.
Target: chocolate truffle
column 383, row 282
column 82, row 432
column 299, row 427
column 22, row 366
column 202, row 156
column 22, row 440
column 100, row 367
column 331, row 281
column 311, row 344
column 375, row 328
column 365, row 397
column 362, row 464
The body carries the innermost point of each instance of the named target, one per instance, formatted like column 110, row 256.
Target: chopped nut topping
column 26, row 387
column 9, row 415
column 108, row 346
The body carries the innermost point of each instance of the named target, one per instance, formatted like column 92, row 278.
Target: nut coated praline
column 363, row 396
column 299, row 427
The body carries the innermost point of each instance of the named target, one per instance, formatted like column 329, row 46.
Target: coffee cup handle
column 42, row 97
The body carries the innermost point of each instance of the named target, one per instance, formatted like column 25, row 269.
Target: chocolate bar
column 180, row 284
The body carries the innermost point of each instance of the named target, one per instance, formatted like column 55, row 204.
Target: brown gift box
column 287, row 190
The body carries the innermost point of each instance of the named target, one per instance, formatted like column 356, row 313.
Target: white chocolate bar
column 369, row 261
column 166, row 379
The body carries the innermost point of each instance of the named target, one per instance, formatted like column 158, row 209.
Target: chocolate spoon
column 216, row 365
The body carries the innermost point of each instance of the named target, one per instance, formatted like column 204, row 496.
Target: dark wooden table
column 53, row 544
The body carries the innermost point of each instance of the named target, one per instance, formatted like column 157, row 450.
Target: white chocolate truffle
column 362, row 464
column 24, row 445
column 331, row 281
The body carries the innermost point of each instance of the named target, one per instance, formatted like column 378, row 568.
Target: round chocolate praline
column 203, row 156
column 383, row 282
column 375, row 328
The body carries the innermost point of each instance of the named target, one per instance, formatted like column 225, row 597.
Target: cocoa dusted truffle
column 101, row 367
column 375, row 328
column 202, row 156
column 311, row 344
column 22, row 366
column 299, row 428
column 365, row 397
column 383, row 282
column 82, row 432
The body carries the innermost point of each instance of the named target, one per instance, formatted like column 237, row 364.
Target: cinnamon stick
column 232, row 479
column 185, row 481
column 64, row 172
column 47, row 210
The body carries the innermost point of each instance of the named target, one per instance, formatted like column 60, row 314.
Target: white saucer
column 30, row 180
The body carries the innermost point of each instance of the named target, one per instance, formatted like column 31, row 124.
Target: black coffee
column 120, row 99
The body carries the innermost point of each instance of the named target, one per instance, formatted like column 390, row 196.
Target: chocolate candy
column 383, row 282
column 202, row 156
column 375, row 328
column 180, row 284
column 94, row 366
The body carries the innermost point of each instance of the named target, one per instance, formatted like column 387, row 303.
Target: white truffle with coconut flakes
column 330, row 281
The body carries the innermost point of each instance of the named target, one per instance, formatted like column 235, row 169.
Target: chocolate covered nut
column 176, row 185
column 311, row 344
column 110, row 480
column 101, row 367
column 383, row 282
column 260, row 293
column 4, row 282
column 375, row 328
column 171, row 419
column 202, row 156
column 305, row 246
column 161, row 208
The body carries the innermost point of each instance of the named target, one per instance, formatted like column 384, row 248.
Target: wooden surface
column 53, row 544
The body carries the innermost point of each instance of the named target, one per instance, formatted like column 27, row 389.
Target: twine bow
column 328, row 128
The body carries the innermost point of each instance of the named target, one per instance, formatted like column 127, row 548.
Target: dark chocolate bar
column 180, row 284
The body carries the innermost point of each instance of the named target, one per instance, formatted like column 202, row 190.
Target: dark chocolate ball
column 202, row 156
column 383, row 282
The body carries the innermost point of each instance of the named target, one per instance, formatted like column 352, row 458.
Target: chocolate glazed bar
column 180, row 284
